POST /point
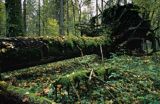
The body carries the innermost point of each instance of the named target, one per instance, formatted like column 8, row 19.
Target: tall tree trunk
column 24, row 17
column 67, row 17
column 61, row 18
column 74, row 14
column 102, row 5
column 110, row 3
column 80, row 12
column 97, row 11
column 102, row 8
column 125, row 2
column 118, row 2
column 13, row 18
column 2, row 19
column 44, row 17
column 39, row 18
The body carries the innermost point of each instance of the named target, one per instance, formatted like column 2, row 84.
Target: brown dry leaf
column 25, row 99
column 146, row 61
column 25, row 84
column 108, row 102
column 58, row 70
column 46, row 90
column 83, row 87
column 59, row 87
column 38, row 94
column 33, row 84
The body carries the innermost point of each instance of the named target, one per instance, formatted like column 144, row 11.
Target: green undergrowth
column 33, row 99
column 119, row 80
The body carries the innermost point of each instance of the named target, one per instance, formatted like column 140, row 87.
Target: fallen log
column 23, row 52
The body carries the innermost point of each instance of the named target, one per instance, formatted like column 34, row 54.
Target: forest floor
column 118, row 80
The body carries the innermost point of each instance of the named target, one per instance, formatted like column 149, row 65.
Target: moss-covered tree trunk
column 13, row 18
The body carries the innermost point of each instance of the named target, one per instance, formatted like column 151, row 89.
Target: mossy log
column 21, row 52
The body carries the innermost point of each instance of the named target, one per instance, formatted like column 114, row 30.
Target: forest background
column 59, row 17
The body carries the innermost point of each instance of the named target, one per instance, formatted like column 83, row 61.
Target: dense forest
column 53, row 17
column 79, row 51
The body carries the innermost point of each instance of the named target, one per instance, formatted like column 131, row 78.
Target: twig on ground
column 76, row 92
column 80, row 50
column 102, row 57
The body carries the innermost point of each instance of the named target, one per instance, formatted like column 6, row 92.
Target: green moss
column 67, row 79
column 31, row 96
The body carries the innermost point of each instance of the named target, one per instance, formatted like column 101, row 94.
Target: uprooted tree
column 128, row 25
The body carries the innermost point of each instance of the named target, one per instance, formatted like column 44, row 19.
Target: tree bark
column 39, row 18
column 61, row 18
column 96, row 12
column 118, row 2
column 102, row 6
column 80, row 10
column 125, row 2
column 67, row 17
column 43, row 20
column 13, row 18
column 74, row 14
column 24, row 17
